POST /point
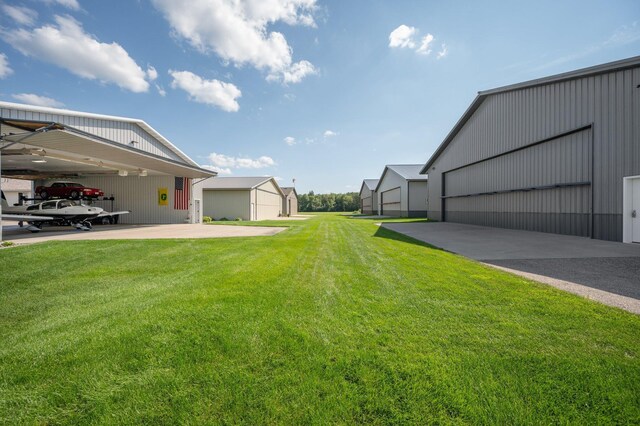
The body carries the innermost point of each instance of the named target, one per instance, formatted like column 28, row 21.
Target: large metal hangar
column 402, row 191
column 134, row 165
column 559, row 154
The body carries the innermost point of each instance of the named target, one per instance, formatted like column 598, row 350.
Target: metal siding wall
column 138, row 194
column 418, row 193
column 116, row 131
column 506, row 121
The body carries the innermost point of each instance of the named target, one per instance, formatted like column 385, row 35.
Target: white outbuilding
column 290, row 201
column 246, row 198
column 403, row 191
column 369, row 197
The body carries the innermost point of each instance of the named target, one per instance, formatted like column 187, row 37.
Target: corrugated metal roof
column 482, row 95
column 248, row 182
column 147, row 128
column 408, row 171
column 288, row 190
column 371, row 183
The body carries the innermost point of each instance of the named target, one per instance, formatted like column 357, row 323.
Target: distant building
column 290, row 201
column 402, row 191
column 369, row 197
column 12, row 189
column 559, row 154
column 247, row 198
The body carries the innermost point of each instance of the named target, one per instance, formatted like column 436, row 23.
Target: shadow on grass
column 383, row 232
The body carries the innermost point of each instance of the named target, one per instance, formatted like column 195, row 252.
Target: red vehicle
column 72, row 190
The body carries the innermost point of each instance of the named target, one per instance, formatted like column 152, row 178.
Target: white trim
column 627, row 206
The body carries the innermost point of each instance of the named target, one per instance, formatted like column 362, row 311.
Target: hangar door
column 366, row 205
column 268, row 202
column 544, row 186
column 390, row 202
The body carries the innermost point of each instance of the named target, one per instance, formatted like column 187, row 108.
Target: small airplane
column 54, row 212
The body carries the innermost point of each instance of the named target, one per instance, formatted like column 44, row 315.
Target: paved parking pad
column 603, row 266
column 135, row 232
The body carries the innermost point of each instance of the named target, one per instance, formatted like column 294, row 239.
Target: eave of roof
column 482, row 95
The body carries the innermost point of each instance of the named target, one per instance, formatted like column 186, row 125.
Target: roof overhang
column 34, row 149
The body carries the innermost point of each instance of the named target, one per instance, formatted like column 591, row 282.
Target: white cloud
column 161, row 90
column 289, row 140
column 295, row 73
column 152, row 74
column 425, row 47
column 20, row 14
column 406, row 37
column 443, row 52
column 211, row 92
column 69, row 4
column 224, row 161
column 31, row 99
column 237, row 32
column 330, row 133
column 68, row 46
column 402, row 37
column 5, row 69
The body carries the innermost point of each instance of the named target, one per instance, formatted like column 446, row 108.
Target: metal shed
column 559, row 154
column 369, row 197
column 246, row 198
column 125, row 157
column 402, row 191
column 290, row 201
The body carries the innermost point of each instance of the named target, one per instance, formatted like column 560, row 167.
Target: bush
column 223, row 219
column 207, row 219
column 238, row 219
column 6, row 244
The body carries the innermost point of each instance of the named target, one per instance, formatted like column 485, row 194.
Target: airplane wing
column 26, row 217
column 103, row 214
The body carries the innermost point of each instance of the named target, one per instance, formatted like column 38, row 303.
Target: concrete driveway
column 135, row 232
column 600, row 266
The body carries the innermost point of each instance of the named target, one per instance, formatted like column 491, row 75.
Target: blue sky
column 326, row 92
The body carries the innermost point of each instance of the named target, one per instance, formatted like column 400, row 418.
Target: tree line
column 312, row 202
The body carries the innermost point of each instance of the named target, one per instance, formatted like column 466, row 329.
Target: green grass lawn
column 331, row 321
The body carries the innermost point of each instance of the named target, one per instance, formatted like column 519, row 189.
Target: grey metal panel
column 117, row 131
column 509, row 120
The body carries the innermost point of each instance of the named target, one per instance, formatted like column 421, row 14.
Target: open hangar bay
column 134, row 165
column 559, row 154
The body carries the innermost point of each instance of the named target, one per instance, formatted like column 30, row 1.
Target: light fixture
column 38, row 161
column 142, row 173
column 122, row 173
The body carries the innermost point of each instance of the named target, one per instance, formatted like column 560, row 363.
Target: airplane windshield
column 66, row 203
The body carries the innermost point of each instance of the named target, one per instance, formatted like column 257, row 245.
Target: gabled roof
column 370, row 183
column 140, row 123
column 409, row 172
column 482, row 95
column 288, row 190
column 239, row 183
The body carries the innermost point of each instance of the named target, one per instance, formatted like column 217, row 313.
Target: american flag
column 182, row 193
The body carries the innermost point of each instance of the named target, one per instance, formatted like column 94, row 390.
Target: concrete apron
column 605, row 271
column 136, row 232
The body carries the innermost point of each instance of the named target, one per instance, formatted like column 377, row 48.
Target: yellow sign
column 163, row 197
